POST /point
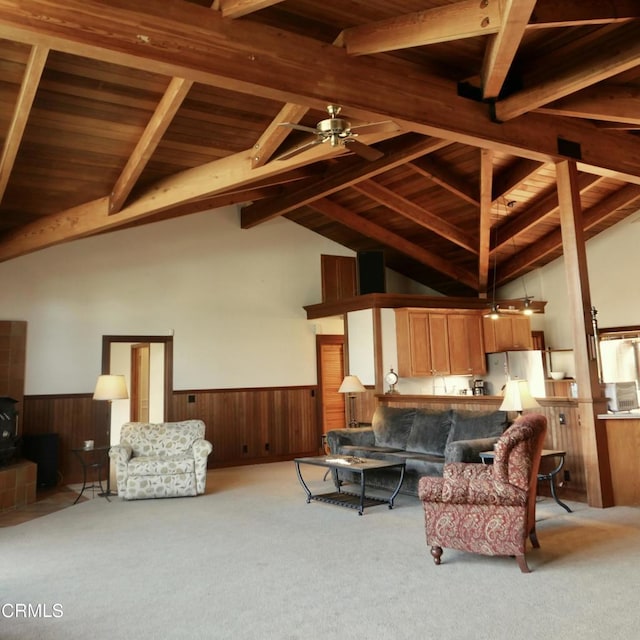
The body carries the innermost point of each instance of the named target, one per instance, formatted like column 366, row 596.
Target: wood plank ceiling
column 126, row 112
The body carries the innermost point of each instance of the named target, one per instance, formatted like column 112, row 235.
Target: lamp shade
column 517, row 397
column 111, row 387
column 351, row 384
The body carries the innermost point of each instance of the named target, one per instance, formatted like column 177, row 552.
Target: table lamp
column 517, row 397
column 352, row 385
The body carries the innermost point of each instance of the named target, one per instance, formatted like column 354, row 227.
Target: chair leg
column 522, row 563
column 436, row 552
column 533, row 536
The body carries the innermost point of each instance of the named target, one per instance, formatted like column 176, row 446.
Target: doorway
column 140, row 371
column 330, row 359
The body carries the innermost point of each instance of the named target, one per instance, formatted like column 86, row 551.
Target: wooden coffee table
column 357, row 465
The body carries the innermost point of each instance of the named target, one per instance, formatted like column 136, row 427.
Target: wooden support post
column 591, row 401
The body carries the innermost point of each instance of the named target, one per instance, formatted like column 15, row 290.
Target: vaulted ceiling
column 125, row 112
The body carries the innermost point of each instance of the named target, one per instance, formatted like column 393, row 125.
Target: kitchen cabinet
column 423, row 343
column 507, row 333
column 466, row 344
column 440, row 342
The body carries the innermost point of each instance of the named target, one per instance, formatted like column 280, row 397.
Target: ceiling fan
column 337, row 132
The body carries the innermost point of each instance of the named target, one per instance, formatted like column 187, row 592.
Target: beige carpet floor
column 251, row 559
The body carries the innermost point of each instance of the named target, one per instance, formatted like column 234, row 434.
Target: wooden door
column 140, row 367
column 330, row 358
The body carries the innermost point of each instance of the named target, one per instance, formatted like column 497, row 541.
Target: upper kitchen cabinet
column 423, row 343
column 466, row 344
column 507, row 333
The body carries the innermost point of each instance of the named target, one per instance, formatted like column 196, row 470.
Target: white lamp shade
column 111, row 387
column 351, row 384
column 517, row 397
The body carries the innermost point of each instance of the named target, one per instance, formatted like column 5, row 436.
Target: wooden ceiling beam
column 239, row 8
column 274, row 135
column 617, row 51
column 515, row 174
column 543, row 207
column 484, row 231
column 344, row 176
column 446, row 177
column 418, row 214
column 551, row 13
column 254, row 59
column 30, row 82
column 463, row 19
column 522, row 262
column 162, row 117
column 606, row 102
column 501, row 48
column 384, row 236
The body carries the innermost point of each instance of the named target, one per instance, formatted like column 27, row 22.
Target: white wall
column 232, row 298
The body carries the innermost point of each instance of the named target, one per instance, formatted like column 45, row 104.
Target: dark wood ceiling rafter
column 543, row 207
column 441, row 174
column 31, row 80
column 421, row 216
column 502, row 47
column 391, row 239
column 617, row 51
column 351, row 171
column 551, row 244
column 154, row 131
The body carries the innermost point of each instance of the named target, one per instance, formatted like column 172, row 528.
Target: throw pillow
column 470, row 425
column 391, row 426
column 429, row 432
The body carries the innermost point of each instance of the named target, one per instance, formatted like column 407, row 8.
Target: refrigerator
column 515, row 365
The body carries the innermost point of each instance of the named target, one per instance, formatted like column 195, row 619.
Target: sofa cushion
column 470, row 425
column 160, row 466
column 375, row 453
column 420, row 464
column 391, row 426
column 429, row 432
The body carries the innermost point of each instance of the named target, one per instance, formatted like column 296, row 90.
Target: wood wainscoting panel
column 75, row 418
column 248, row 426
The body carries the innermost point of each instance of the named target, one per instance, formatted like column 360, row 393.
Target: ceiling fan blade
column 299, row 149
column 368, row 153
column 299, row 127
column 375, row 127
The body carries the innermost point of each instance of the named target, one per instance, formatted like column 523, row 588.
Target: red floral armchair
column 488, row 509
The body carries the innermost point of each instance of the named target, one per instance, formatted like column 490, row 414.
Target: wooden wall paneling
column 74, row 418
column 254, row 425
column 13, row 349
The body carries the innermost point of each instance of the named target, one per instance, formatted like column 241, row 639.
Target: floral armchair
column 488, row 509
column 162, row 460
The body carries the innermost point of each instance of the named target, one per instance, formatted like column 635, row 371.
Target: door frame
column 167, row 341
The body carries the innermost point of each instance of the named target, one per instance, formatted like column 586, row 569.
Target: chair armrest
column 468, row 450
column 201, row 449
column 358, row 436
column 120, row 453
column 472, row 486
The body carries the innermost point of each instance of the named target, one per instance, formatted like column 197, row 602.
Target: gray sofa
column 424, row 440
